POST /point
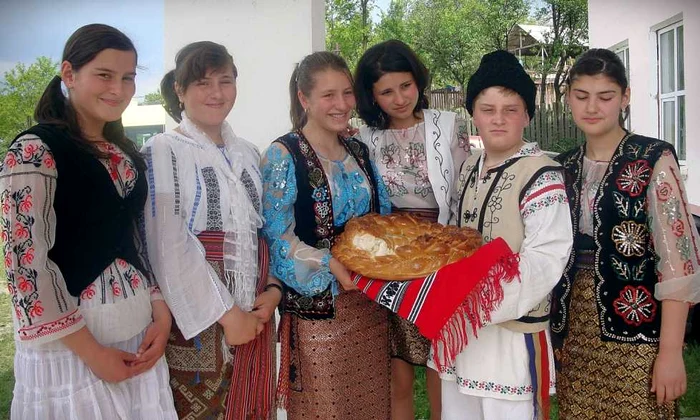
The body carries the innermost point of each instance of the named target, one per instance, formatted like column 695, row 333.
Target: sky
column 32, row 28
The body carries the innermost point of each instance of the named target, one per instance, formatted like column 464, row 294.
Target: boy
column 512, row 190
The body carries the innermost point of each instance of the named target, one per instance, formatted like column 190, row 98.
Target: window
column 672, row 86
column 623, row 51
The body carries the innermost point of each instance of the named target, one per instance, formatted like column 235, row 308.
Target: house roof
column 528, row 39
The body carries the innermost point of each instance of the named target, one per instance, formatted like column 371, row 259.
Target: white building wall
column 612, row 22
column 265, row 37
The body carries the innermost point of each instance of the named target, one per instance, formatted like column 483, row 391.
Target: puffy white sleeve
column 43, row 310
column 196, row 296
column 545, row 249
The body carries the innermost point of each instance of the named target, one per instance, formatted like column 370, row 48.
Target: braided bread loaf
column 401, row 246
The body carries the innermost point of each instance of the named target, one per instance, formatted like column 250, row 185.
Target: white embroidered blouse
column 115, row 307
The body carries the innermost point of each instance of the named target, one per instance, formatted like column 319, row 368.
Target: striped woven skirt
column 204, row 385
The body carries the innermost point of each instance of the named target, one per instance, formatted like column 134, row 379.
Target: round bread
column 401, row 246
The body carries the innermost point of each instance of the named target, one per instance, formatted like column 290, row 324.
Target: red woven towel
column 444, row 304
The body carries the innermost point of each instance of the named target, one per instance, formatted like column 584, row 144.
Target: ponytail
column 54, row 108
column 302, row 80
column 171, row 102
column 296, row 112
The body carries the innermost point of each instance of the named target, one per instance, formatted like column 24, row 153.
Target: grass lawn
column 690, row 403
column 7, row 351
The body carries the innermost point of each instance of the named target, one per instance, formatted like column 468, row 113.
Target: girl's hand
column 266, row 302
column 342, row 274
column 668, row 379
column 240, row 327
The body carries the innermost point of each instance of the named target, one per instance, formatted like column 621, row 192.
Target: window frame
column 679, row 121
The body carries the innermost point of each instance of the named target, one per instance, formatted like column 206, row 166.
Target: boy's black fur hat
column 501, row 68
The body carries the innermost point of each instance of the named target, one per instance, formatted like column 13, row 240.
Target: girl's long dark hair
column 55, row 109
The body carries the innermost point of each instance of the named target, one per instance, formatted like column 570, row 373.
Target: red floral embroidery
column 635, row 305
column 121, row 263
column 88, row 293
column 25, row 286
column 49, row 162
column 21, row 231
column 135, row 280
column 10, row 160
column 36, row 309
column 688, row 268
column 11, row 289
column 678, row 227
column 27, row 257
column 115, row 289
column 663, row 191
column 29, row 150
column 6, row 205
column 8, row 260
column 634, row 177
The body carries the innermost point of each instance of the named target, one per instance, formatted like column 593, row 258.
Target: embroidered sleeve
column 674, row 235
column 298, row 265
column 457, row 190
column 545, row 249
column 191, row 288
column 546, row 191
column 382, row 192
column 44, row 311
column 459, row 145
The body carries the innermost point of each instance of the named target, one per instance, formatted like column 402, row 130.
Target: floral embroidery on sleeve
column 42, row 307
column 675, row 238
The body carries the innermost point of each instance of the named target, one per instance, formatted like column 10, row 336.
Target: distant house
column 143, row 121
column 534, row 41
column 656, row 41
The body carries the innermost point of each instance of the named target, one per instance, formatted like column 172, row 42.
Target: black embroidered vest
column 313, row 213
column 624, row 259
column 94, row 224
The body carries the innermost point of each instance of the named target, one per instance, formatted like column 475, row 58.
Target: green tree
column 454, row 34
column 497, row 18
column 348, row 28
column 566, row 41
column 395, row 23
column 448, row 38
column 19, row 94
column 153, row 98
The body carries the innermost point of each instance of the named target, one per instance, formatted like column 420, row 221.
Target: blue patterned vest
column 314, row 217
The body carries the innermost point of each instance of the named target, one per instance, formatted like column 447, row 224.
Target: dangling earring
column 382, row 119
column 182, row 106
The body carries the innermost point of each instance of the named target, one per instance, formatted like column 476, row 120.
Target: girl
column 335, row 360
column 202, row 221
column 90, row 325
column 405, row 138
column 621, row 306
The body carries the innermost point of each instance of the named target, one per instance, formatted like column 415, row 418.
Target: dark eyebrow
column 102, row 69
